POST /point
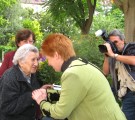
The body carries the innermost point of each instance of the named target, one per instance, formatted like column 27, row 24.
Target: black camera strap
column 128, row 47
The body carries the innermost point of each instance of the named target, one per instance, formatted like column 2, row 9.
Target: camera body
column 104, row 35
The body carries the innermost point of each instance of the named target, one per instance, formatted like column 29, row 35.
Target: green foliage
column 60, row 8
column 35, row 27
column 66, row 9
column 118, row 16
column 47, row 75
column 87, row 47
column 28, row 13
column 6, row 48
column 5, row 4
column 50, row 25
column 113, row 18
column 9, row 20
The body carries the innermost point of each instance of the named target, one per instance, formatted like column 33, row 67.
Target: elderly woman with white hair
column 17, row 84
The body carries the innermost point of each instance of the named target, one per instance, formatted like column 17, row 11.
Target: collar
column 28, row 78
column 67, row 63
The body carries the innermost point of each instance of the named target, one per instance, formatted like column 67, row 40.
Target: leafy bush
column 87, row 47
column 47, row 75
column 34, row 25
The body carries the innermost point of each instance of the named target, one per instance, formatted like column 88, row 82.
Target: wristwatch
column 115, row 56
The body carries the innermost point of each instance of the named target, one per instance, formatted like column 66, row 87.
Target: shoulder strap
column 128, row 68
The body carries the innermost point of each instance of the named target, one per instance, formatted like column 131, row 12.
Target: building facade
column 36, row 5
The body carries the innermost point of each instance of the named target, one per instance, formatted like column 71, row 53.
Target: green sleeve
column 70, row 97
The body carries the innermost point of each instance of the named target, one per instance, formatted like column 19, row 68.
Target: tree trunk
column 86, row 26
column 129, row 14
column 128, row 8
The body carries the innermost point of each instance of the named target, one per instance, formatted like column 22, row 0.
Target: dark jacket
column 130, row 50
column 16, row 101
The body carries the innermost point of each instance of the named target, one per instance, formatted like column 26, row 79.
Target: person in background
column 121, row 66
column 22, row 37
column 17, row 84
column 85, row 92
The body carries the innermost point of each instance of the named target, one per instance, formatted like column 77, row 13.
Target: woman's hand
column 39, row 95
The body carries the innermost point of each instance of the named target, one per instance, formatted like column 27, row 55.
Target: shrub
column 47, row 75
column 87, row 47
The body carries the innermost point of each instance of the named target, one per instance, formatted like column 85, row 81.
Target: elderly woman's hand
column 39, row 95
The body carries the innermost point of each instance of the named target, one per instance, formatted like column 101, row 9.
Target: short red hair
column 59, row 43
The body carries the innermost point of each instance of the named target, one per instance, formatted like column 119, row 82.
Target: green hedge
column 47, row 74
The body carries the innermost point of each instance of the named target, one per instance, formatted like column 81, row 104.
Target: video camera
column 104, row 35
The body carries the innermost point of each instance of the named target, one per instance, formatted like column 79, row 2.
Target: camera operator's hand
column 109, row 49
column 39, row 95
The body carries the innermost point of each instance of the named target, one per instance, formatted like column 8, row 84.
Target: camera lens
column 102, row 48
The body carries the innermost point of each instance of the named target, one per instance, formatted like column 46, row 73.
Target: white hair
column 22, row 52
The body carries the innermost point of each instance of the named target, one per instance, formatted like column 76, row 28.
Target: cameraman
column 122, row 69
